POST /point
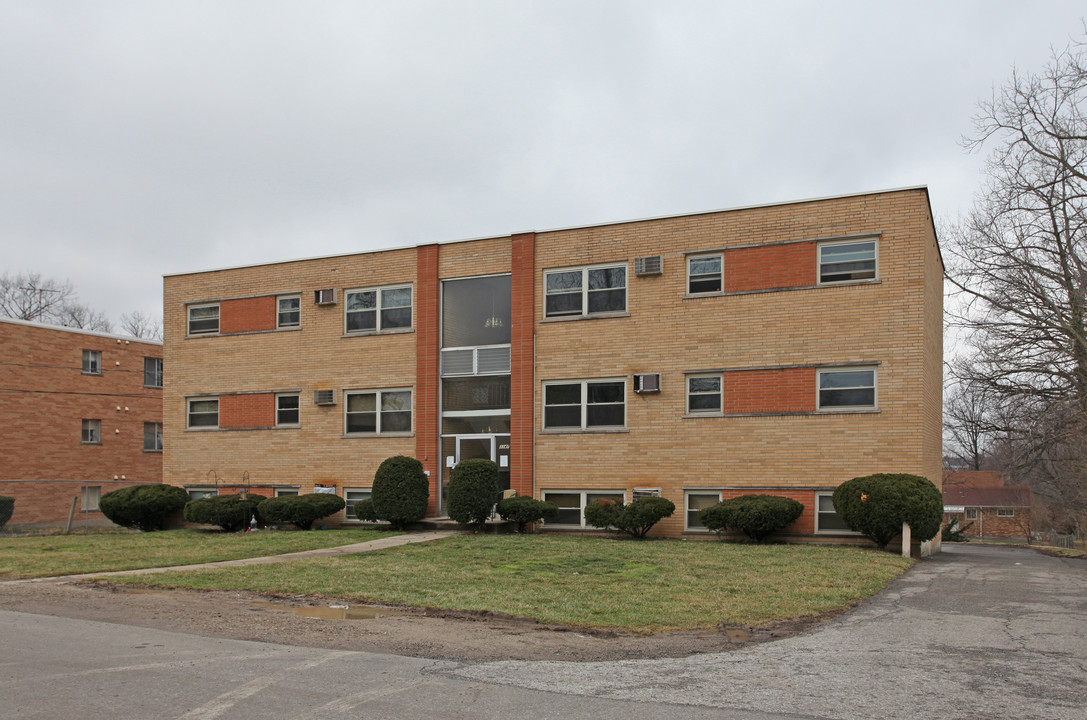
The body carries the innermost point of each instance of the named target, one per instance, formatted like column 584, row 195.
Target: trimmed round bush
column 364, row 510
column 7, row 508
column 230, row 512
column 877, row 505
column 144, row 507
column 523, row 509
column 400, row 492
column 635, row 519
column 756, row 516
column 473, row 491
column 300, row 510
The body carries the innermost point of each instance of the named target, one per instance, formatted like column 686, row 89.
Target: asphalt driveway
column 979, row 631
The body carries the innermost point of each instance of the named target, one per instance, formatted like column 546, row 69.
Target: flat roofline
column 79, row 331
column 563, row 229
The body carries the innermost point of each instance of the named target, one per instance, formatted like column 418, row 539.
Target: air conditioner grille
column 647, row 383
column 324, row 297
column 651, row 265
column 324, row 397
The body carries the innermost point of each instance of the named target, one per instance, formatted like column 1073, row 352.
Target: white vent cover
column 492, row 360
column 476, row 361
column 324, row 397
column 647, row 383
column 651, row 265
column 324, row 297
column 458, row 362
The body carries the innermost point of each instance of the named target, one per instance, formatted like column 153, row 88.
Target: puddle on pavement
column 334, row 612
column 737, row 635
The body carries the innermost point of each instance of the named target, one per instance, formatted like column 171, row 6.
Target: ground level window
column 91, row 496
column 826, row 517
column 352, row 496
column 699, row 500
column 1005, row 512
column 283, row 492
column 572, row 504
column 971, row 513
column 198, row 493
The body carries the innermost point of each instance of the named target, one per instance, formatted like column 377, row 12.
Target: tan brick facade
column 46, row 395
column 768, row 332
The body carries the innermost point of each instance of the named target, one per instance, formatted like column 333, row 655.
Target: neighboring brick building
column 82, row 415
column 780, row 348
column 979, row 501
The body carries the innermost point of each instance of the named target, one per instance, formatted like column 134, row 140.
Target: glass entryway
column 466, row 447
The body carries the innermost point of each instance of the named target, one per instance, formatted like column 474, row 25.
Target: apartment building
column 780, row 348
column 82, row 415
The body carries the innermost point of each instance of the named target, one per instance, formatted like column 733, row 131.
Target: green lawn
column 582, row 581
column 41, row 556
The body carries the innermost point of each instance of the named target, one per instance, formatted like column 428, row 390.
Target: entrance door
column 468, row 447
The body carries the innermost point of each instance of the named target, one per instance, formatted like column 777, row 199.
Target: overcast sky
column 145, row 138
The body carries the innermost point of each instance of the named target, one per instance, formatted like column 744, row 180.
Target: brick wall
column 46, row 396
column 767, row 391
column 251, row 410
column 770, row 266
column 522, row 381
column 247, row 315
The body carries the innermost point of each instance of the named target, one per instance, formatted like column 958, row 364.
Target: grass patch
column 580, row 581
column 43, row 556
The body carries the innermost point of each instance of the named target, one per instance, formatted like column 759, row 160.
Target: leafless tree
column 139, row 325
column 970, row 423
column 1019, row 263
column 78, row 315
column 29, row 296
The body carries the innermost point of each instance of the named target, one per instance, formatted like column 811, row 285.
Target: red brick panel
column 521, row 357
column 770, row 266
column 247, row 315
column 769, row 391
column 256, row 410
column 426, row 368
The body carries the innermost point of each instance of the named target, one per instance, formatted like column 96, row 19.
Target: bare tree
column 29, row 296
column 78, row 315
column 139, row 325
column 1019, row 261
column 970, row 423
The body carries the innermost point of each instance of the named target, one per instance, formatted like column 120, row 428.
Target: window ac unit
column 324, row 297
column 652, row 265
column 324, row 397
column 645, row 492
column 647, row 383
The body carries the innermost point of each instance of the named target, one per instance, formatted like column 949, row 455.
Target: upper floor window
column 585, row 404
column 92, row 432
column 152, row 372
column 152, row 437
column 203, row 413
column 585, row 291
column 375, row 412
column 203, row 319
column 704, row 274
column 288, row 311
column 287, row 410
column 847, row 261
column 377, row 309
column 703, row 394
column 92, row 362
column 847, row 388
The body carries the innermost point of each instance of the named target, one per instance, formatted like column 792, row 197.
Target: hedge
column 473, row 491
column 7, row 508
column 400, row 491
column 635, row 519
column 523, row 510
column 144, row 507
column 877, row 505
column 300, row 510
column 756, row 516
column 230, row 512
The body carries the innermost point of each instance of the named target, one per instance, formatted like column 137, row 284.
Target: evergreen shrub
column 300, row 510
column 230, row 512
column 364, row 510
column 756, row 516
column 635, row 519
column 877, row 505
column 144, row 507
column 7, row 508
column 523, row 509
column 473, row 491
column 400, row 491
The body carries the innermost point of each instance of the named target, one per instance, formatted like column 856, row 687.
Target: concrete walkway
column 379, row 544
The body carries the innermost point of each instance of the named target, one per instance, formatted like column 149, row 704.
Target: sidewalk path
column 380, row 544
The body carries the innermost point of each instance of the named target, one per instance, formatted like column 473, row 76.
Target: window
column 378, row 309
column 585, row 404
column 288, row 311
column 92, row 362
column 847, row 389
column 698, row 501
column 572, row 504
column 152, row 372
column 152, row 437
column 971, row 513
column 704, row 274
column 200, row 493
column 585, row 291
column 203, row 319
column 841, row 262
column 377, row 412
column 703, row 394
column 92, row 432
column 826, row 517
column 286, row 410
column 91, row 495
column 280, row 492
column 204, row 413
column 1005, row 512
column 352, row 496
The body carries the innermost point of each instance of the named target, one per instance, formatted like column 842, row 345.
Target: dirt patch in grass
column 472, row 636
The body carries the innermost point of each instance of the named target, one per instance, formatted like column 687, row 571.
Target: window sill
column 94, row 442
column 845, row 283
column 695, row 296
column 286, row 426
column 152, row 452
column 593, row 316
column 583, row 431
column 363, row 436
column 689, row 415
column 243, row 332
column 847, row 411
column 202, row 429
column 371, row 333
column 193, row 336
column 87, row 372
column 152, row 387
